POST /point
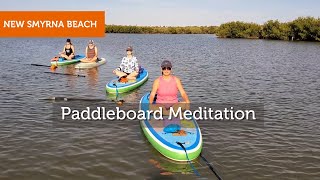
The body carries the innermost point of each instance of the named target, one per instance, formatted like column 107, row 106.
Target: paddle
column 210, row 167
column 65, row 74
column 56, row 72
column 204, row 159
column 52, row 67
column 39, row 65
column 71, row 99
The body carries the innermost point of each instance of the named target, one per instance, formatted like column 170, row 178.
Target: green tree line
column 160, row 29
column 301, row 29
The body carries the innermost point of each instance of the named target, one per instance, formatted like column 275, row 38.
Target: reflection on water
column 283, row 76
column 132, row 96
column 169, row 168
column 93, row 76
column 70, row 79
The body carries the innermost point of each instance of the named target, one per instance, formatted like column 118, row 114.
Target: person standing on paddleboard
column 68, row 50
column 129, row 66
column 166, row 88
column 91, row 53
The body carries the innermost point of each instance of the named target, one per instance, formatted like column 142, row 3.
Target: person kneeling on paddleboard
column 166, row 88
column 91, row 53
column 129, row 67
column 68, row 50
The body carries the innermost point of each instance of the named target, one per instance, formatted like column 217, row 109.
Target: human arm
column 73, row 51
column 182, row 91
column 154, row 90
column 96, row 52
column 184, row 104
column 136, row 65
column 86, row 53
column 122, row 65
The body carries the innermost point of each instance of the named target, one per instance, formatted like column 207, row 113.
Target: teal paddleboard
column 166, row 143
column 63, row 62
column 118, row 87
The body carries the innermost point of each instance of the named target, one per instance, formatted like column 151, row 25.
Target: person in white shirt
column 129, row 66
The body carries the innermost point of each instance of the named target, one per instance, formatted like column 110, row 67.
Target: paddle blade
column 53, row 68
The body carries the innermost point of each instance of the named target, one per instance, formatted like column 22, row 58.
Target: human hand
column 187, row 105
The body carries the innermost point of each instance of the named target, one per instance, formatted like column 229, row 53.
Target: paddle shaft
column 210, row 167
column 66, row 74
column 39, row 65
column 70, row 99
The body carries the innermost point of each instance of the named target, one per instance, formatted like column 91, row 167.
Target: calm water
column 284, row 76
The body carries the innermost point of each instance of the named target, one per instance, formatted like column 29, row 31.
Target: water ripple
column 283, row 76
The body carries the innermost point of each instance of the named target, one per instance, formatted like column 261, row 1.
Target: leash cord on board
column 190, row 163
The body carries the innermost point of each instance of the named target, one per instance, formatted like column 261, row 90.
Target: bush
column 301, row 29
column 239, row 30
column 275, row 30
column 160, row 29
column 305, row 29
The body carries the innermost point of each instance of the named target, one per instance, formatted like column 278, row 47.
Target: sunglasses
column 166, row 68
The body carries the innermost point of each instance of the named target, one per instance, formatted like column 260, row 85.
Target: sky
column 179, row 12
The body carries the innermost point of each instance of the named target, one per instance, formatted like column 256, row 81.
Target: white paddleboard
column 83, row 65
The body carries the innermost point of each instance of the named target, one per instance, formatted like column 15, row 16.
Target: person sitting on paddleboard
column 91, row 53
column 129, row 66
column 68, row 50
column 166, row 88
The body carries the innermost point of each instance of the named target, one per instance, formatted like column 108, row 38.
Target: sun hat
column 166, row 63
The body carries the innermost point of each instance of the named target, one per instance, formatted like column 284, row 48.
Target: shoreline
column 300, row 29
column 249, row 38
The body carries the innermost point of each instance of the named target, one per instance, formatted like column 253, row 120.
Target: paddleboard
column 118, row 87
column 83, row 65
column 166, row 143
column 62, row 61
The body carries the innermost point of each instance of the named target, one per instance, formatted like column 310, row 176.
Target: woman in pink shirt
column 166, row 87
